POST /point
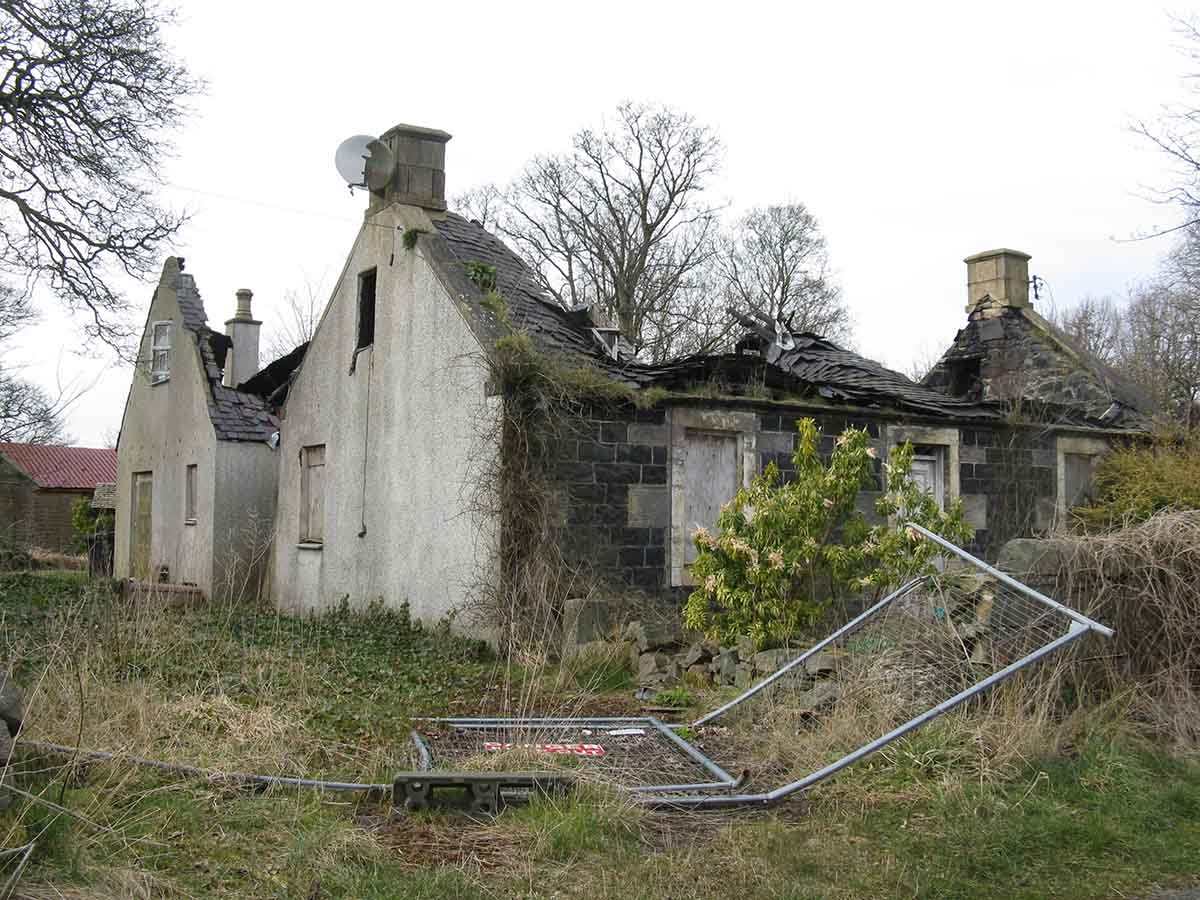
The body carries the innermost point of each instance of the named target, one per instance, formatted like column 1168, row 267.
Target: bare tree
column 923, row 361
column 620, row 222
column 776, row 262
column 297, row 321
column 15, row 311
column 1097, row 325
column 483, row 204
column 1162, row 348
column 88, row 91
column 696, row 321
column 28, row 413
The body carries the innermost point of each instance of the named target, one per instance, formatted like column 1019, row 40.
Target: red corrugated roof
column 71, row 468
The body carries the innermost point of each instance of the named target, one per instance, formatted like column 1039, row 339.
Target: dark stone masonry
column 611, row 476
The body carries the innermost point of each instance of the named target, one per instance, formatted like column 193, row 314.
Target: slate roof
column 105, row 496
column 533, row 311
column 63, row 468
column 813, row 366
column 236, row 415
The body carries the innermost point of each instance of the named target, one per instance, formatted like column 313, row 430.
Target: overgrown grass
column 966, row 808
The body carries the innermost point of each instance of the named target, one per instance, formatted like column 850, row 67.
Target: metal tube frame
column 1010, row 581
column 815, row 648
column 699, row 796
column 772, row 797
column 723, row 780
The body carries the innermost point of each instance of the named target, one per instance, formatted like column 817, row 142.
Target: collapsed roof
column 793, row 366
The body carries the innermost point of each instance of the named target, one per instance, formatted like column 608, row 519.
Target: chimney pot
column 997, row 279
column 242, row 359
column 244, row 296
column 419, row 176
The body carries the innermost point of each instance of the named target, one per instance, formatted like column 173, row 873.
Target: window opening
column 366, row 309
column 160, row 363
column 190, row 495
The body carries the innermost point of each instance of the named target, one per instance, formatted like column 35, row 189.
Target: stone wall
column 611, row 477
column 611, row 473
column 1008, row 484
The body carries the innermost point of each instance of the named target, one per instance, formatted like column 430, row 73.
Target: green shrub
column 1133, row 483
column 783, row 552
column 88, row 522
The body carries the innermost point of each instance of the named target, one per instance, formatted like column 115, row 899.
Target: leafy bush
column 785, row 551
column 89, row 523
column 1133, row 483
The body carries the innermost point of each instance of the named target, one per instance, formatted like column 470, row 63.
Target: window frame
column 309, row 492
column 159, row 374
column 190, row 479
column 938, row 459
column 1074, row 446
column 945, row 444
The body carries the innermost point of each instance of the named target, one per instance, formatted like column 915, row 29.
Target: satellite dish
column 364, row 162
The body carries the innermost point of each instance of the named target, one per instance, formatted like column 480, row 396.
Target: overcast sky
column 917, row 133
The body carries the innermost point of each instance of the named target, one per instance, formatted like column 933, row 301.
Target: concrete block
column 639, row 433
column 649, row 506
column 975, row 510
column 972, row 454
column 585, row 620
column 774, row 442
column 768, row 661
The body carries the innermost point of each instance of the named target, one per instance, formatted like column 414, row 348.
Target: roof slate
column 236, row 415
column 63, row 468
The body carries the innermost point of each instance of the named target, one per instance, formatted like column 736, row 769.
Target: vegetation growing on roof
column 495, row 304
column 482, row 275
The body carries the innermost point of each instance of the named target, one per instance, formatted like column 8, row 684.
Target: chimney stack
column 1002, row 276
column 419, row 176
column 242, row 360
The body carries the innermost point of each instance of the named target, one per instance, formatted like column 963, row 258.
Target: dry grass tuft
column 52, row 559
column 481, row 847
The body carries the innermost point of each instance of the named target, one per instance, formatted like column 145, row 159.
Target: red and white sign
column 572, row 749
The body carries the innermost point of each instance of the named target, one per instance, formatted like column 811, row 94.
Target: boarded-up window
column 312, row 494
column 366, row 309
column 1077, row 478
column 190, row 494
column 160, row 364
column 929, row 475
column 141, row 524
column 710, row 481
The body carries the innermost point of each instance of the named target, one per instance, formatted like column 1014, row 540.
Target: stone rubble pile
column 660, row 654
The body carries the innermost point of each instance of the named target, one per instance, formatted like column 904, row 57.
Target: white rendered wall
column 401, row 432
column 165, row 429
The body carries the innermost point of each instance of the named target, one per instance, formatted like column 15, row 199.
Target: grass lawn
column 1096, row 812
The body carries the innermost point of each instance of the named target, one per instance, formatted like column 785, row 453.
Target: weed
column 677, row 697
column 482, row 275
column 410, row 236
